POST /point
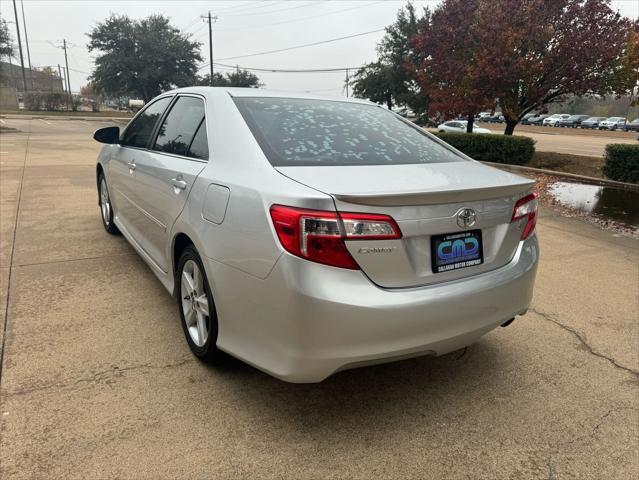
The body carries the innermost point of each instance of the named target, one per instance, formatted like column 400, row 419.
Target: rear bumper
column 306, row 321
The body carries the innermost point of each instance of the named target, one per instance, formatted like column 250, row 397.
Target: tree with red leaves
column 446, row 45
column 522, row 53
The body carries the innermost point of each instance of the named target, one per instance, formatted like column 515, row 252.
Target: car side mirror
column 107, row 135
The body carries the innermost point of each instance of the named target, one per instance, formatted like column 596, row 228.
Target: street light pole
column 26, row 40
column 24, row 77
column 66, row 61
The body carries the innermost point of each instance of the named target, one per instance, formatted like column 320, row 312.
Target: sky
column 243, row 28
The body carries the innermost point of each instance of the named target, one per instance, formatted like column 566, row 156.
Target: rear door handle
column 178, row 184
column 131, row 166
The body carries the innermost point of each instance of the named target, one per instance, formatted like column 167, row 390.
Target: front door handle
column 178, row 184
column 131, row 166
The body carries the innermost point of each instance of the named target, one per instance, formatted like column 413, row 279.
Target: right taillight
column 319, row 235
column 526, row 207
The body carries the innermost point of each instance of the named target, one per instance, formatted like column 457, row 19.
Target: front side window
column 139, row 131
column 294, row 132
column 180, row 125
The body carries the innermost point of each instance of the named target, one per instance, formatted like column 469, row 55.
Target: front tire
column 196, row 307
column 106, row 207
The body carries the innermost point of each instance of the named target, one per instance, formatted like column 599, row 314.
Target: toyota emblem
column 466, row 217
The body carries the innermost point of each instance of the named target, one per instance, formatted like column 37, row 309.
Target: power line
column 79, row 71
column 311, row 4
column 243, row 8
column 287, row 70
column 191, row 24
column 298, row 46
column 251, row 27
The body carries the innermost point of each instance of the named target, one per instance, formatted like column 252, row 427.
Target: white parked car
column 459, row 126
column 553, row 120
column 306, row 235
column 612, row 123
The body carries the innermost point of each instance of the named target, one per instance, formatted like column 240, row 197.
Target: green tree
column 142, row 58
column 373, row 82
column 237, row 78
column 6, row 42
column 388, row 80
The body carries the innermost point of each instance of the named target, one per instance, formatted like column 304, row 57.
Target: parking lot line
column 44, row 121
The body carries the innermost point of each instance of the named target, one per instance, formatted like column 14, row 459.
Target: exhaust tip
column 505, row 324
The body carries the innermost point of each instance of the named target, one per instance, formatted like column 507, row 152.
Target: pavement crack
column 595, row 428
column 5, row 320
column 583, row 341
column 102, row 376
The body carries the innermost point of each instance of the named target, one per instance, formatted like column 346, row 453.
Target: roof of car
column 264, row 93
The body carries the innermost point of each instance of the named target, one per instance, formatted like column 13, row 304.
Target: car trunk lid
column 425, row 200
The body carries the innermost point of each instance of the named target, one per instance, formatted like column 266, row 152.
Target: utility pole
column 210, row 19
column 61, row 78
column 347, row 80
column 24, row 77
column 66, row 61
column 26, row 40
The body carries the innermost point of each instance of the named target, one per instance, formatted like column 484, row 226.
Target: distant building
column 43, row 81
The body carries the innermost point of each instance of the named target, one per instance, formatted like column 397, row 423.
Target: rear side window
column 180, row 125
column 294, row 132
column 139, row 131
column 200, row 144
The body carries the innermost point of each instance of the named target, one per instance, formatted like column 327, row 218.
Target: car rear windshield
column 302, row 132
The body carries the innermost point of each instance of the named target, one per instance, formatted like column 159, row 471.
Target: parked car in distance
column 538, row 119
column 482, row 116
column 612, row 123
column 460, row 127
column 496, row 118
column 592, row 122
column 405, row 112
column 632, row 126
column 304, row 252
column 553, row 120
column 573, row 121
column 527, row 117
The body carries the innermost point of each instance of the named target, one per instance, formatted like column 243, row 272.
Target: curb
column 62, row 117
column 570, row 176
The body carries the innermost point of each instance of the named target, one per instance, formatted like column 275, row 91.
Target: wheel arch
column 180, row 241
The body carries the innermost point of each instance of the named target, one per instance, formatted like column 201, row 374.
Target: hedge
column 622, row 162
column 50, row 101
column 492, row 147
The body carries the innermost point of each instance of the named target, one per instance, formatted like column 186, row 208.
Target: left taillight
column 526, row 207
column 319, row 235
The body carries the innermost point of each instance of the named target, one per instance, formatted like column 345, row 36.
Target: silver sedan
column 307, row 235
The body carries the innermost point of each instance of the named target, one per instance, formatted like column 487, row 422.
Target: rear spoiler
column 435, row 198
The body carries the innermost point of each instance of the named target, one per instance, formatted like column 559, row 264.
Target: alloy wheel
column 195, row 303
column 105, row 202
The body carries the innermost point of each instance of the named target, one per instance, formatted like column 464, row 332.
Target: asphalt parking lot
column 589, row 143
column 98, row 382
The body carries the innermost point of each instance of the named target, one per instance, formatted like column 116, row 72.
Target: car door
column 167, row 171
column 122, row 177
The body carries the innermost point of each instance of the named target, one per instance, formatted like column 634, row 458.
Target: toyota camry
column 306, row 235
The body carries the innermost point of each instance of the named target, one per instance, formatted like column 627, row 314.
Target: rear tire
column 196, row 306
column 106, row 207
